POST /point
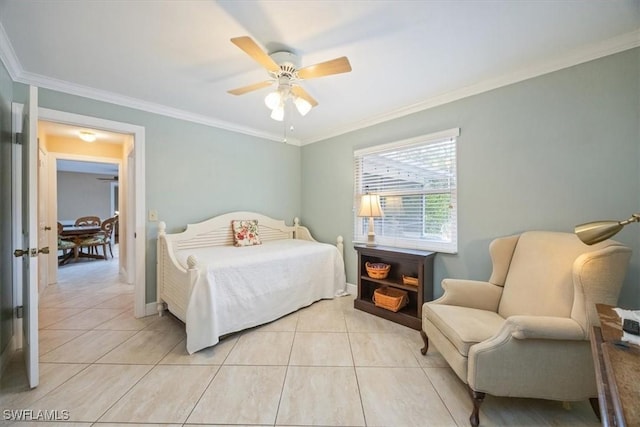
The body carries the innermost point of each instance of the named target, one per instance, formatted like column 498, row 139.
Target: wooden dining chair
column 88, row 220
column 103, row 238
column 67, row 246
column 108, row 225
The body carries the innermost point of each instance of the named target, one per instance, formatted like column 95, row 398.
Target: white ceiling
column 175, row 57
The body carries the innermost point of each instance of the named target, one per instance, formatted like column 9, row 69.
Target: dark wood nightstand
column 408, row 262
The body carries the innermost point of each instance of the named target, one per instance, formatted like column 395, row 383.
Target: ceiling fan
column 113, row 179
column 284, row 70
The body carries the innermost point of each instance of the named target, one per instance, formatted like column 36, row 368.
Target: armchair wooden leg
column 478, row 398
column 425, row 338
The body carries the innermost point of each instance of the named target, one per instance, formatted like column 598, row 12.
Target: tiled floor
column 327, row 364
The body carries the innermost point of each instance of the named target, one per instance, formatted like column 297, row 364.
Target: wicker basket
column 408, row 280
column 377, row 270
column 390, row 298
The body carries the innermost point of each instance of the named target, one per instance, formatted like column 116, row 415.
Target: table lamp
column 370, row 207
column 597, row 231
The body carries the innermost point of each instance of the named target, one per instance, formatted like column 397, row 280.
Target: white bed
column 216, row 288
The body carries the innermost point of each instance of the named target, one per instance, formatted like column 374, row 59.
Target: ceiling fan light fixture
column 278, row 113
column 284, row 68
column 302, row 105
column 273, row 99
column 87, row 136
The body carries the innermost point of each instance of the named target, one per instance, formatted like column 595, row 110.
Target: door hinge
column 20, row 311
column 19, row 138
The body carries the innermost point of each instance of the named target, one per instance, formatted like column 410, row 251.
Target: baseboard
column 351, row 289
column 150, row 309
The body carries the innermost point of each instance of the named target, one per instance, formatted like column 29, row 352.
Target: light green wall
column 547, row 153
column 6, row 245
column 194, row 172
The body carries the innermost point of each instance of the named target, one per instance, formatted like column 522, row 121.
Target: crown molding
column 17, row 74
column 585, row 54
column 138, row 104
column 8, row 55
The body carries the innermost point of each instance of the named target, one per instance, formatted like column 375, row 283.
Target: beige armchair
column 525, row 332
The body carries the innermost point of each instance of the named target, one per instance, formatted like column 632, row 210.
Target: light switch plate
column 153, row 215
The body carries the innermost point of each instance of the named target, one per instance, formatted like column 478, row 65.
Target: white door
column 44, row 230
column 29, row 251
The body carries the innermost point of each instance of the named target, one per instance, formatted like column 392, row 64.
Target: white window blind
column 416, row 180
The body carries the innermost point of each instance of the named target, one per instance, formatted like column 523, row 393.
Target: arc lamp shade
column 597, row 231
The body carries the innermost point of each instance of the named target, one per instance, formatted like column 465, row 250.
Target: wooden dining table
column 77, row 233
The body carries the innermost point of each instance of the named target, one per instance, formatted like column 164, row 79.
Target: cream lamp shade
column 597, row 231
column 370, row 207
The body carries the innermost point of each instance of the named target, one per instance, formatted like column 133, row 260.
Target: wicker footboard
column 174, row 283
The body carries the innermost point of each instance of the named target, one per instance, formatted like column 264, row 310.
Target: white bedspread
column 243, row 287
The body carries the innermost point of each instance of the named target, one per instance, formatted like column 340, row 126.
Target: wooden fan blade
column 252, row 49
column 250, row 88
column 335, row 66
column 298, row 91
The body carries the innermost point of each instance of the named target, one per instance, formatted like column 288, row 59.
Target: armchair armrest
column 470, row 293
column 544, row 327
column 536, row 350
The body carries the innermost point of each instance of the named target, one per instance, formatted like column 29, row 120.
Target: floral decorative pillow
column 245, row 232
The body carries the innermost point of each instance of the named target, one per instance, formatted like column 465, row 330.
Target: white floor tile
column 165, row 394
column 241, row 395
column 261, row 348
column 145, row 347
column 94, row 390
column 374, row 349
column 326, row 396
column 400, row 397
column 321, row 349
column 88, row 347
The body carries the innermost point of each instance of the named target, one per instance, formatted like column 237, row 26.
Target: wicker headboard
column 217, row 231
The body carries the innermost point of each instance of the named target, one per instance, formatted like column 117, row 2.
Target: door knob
column 47, row 228
column 44, row 250
column 19, row 252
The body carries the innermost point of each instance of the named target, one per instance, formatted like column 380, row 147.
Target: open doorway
column 129, row 193
column 80, row 174
column 86, row 189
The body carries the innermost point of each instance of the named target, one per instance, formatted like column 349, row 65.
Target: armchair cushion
column 463, row 326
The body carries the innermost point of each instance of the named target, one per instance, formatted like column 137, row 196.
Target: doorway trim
column 136, row 224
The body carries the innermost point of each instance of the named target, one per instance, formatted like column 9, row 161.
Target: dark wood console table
column 617, row 371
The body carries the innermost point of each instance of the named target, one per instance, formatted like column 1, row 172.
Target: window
column 417, row 184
